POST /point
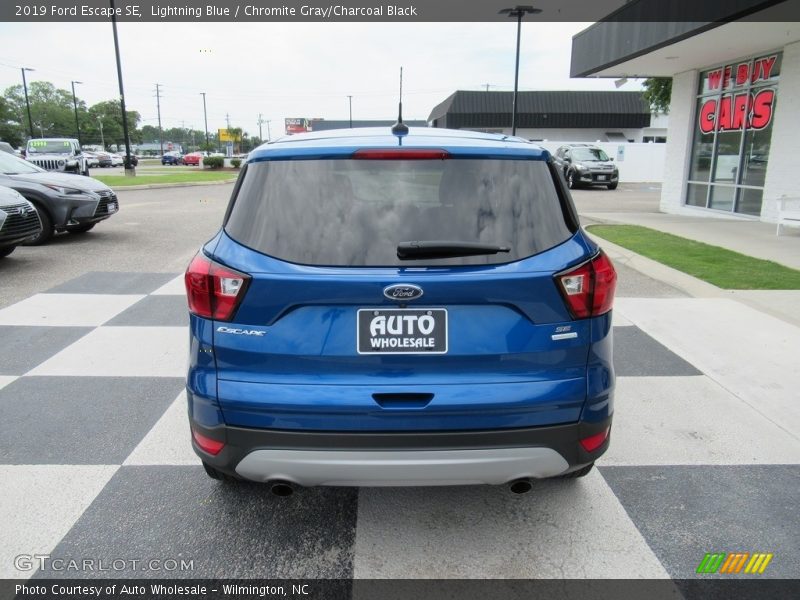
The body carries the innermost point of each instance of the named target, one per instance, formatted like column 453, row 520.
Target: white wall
column 641, row 162
column 679, row 141
column 784, row 152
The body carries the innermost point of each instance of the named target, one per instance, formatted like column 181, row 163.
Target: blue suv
column 400, row 309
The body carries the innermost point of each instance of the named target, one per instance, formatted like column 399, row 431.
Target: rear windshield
column 354, row 213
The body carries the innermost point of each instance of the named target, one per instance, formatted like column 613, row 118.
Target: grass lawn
column 718, row 266
column 116, row 181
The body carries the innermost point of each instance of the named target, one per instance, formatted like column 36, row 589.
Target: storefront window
column 733, row 129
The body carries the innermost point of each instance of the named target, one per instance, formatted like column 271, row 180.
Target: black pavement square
column 101, row 282
column 24, row 347
column 683, row 512
column 150, row 311
column 80, row 420
column 636, row 354
column 227, row 529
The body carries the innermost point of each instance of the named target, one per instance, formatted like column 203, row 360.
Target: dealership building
column 733, row 143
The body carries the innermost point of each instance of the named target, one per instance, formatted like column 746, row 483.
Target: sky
column 284, row 70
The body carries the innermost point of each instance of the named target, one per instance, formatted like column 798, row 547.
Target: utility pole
column 102, row 139
column 75, row 105
column 158, row 108
column 487, row 86
column 350, row 98
column 517, row 12
column 205, row 116
column 129, row 168
column 260, row 123
column 228, row 120
column 27, row 102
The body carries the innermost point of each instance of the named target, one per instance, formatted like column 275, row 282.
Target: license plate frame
column 440, row 334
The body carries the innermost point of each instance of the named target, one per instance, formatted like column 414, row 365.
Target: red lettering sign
column 737, row 112
column 739, row 74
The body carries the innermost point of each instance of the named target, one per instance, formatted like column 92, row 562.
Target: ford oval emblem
column 402, row 292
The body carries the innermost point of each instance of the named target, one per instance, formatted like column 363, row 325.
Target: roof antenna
column 400, row 128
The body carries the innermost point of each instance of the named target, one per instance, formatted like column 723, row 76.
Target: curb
column 159, row 186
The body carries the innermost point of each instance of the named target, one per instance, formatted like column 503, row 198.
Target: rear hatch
column 330, row 329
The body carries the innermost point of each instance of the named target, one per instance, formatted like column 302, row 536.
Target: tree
column 110, row 114
column 657, row 93
column 11, row 130
column 52, row 111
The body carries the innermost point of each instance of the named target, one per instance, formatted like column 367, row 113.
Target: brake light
column 401, row 154
column 588, row 289
column 206, row 444
column 214, row 291
column 593, row 442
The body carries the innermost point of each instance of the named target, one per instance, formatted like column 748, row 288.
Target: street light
column 102, row 139
column 129, row 168
column 27, row 102
column 517, row 12
column 75, row 105
column 205, row 117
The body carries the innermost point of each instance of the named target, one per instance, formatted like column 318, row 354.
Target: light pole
column 129, row 168
column 27, row 102
column 75, row 105
column 517, row 12
column 205, row 116
column 350, row 98
column 102, row 139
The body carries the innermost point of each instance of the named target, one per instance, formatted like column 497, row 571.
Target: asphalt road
column 155, row 230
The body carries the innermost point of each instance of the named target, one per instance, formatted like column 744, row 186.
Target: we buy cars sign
column 745, row 109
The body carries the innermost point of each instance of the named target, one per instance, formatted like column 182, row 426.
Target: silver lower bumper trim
column 401, row 468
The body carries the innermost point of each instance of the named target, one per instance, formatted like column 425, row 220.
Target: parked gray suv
column 63, row 155
column 63, row 202
column 19, row 221
column 586, row 165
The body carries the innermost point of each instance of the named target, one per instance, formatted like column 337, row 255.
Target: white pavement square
column 739, row 347
column 123, row 352
column 39, row 505
column 67, row 310
column 167, row 443
column 565, row 529
column 174, row 287
column 691, row 421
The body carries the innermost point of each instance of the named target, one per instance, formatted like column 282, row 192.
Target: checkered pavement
column 95, row 460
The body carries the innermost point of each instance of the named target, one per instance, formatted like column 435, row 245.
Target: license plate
column 402, row 331
column 602, row 177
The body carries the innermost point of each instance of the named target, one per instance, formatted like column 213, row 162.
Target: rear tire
column 6, row 251
column 47, row 228
column 612, row 186
column 219, row 475
column 583, row 472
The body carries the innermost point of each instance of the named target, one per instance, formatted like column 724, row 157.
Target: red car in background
column 193, row 158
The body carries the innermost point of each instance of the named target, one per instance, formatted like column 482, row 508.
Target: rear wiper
column 437, row 249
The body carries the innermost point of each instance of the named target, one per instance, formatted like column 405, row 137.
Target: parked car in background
column 92, row 161
column 62, row 155
column 19, row 221
column 6, row 147
column 193, row 159
column 63, row 202
column 586, row 165
column 172, row 158
column 104, row 158
column 379, row 314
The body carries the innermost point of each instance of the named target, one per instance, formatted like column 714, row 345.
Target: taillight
column 206, row 444
column 214, row 291
column 593, row 442
column 588, row 289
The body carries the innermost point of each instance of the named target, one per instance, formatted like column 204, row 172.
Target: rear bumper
column 402, row 458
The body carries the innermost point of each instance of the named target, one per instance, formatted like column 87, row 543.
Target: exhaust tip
column 521, row 486
column 281, row 488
